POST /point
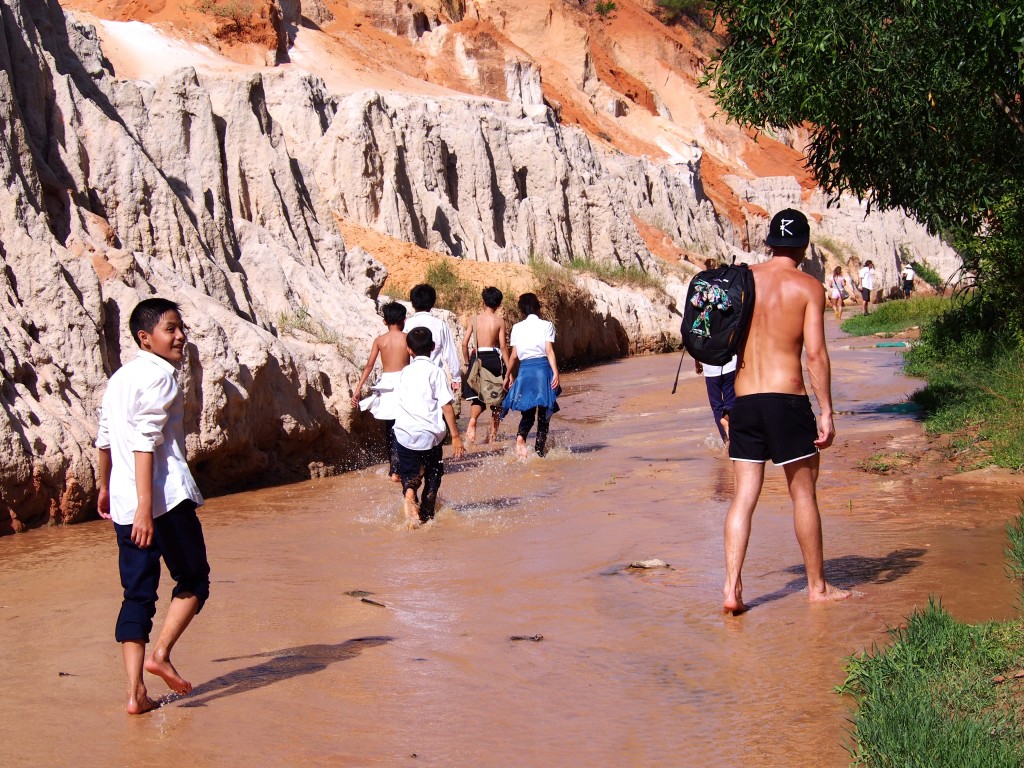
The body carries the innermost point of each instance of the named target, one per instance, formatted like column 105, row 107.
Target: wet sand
column 292, row 666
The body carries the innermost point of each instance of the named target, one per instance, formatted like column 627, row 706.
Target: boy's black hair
column 393, row 312
column 529, row 304
column 422, row 297
column 492, row 297
column 420, row 341
column 147, row 314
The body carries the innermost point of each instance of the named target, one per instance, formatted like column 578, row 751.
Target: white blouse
column 530, row 337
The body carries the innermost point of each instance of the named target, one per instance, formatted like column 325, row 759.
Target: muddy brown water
column 292, row 667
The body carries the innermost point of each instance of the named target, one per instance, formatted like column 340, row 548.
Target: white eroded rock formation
column 223, row 190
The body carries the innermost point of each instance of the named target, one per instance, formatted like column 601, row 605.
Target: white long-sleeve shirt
column 445, row 352
column 143, row 411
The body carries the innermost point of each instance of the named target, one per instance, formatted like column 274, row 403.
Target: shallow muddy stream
column 613, row 667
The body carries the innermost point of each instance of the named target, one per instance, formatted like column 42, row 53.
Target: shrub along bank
column 975, row 374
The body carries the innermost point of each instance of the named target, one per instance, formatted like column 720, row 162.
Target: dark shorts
column 865, row 294
column 772, row 426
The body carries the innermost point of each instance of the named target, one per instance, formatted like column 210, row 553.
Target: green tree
column 913, row 104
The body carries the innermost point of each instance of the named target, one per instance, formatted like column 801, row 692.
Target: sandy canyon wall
column 222, row 193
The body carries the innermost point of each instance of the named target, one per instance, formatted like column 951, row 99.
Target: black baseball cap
column 789, row 229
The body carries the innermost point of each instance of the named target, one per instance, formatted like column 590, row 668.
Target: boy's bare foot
column 412, row 510
column 471, row 432
column 395, row 478
column 521, row 450
column 139, row 702
column 163, row 669
column 829, row 594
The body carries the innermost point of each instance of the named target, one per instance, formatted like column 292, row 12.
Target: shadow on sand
column 283, row 664
column 850, row 571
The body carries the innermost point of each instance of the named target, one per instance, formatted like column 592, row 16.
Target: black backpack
column 719, row 305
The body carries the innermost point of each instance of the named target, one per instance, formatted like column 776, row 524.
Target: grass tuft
column 930, row 700
column 618, row 274
column 896, row 316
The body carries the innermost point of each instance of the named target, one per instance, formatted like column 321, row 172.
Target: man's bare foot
column 166, row 671
column 412, row 510
column 521, row 450
column 139, row 702
column 734, row 606
column 395, row 478
column 828, row 595
column 471, row 432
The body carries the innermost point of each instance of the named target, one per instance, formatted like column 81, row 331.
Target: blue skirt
column 532, row 388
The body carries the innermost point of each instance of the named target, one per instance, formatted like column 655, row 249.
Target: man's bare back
column 786, row 305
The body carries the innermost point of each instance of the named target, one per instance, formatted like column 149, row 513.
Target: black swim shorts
column 772, row 426
column 865, row 294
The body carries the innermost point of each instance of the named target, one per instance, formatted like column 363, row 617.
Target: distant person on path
column 837, row 287
column 445, row 354
column 532, row 379
column 867, row 282
column 908, row 276
column 424, row 410
column 772, row 417
column 394, row 356
column 487, row 329
column 147, row 490
column 720, row 383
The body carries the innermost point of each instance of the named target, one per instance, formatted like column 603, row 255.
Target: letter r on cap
column 784, row 223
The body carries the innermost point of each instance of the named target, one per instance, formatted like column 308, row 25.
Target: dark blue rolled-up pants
column 722, row 396
column 178, row 539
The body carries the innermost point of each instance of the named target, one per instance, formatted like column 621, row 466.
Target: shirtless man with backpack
column 772, row 417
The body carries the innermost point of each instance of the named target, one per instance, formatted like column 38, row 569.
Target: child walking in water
column 394, row 356
column 424, row 408
column 487, row 328
column 532, row 378
column 147, row 490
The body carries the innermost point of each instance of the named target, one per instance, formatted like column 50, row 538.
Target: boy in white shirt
column 424, row 409
column 147, row 490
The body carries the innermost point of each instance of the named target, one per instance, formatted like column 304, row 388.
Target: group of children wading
column 147, row 490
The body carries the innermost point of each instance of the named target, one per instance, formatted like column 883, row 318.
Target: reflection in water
column 635, row 667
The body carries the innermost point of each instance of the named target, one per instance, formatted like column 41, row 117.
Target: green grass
column 300, row 321
column 926, row 272
column 929, row 700
column 1015, row 553
column 617, row 274
column 453, row 293
column 898, row 315
column 884, row 463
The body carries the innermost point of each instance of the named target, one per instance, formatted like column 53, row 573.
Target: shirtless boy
column 772, row 417
column 394, row 356
column 146, row 489
column 487, row 327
